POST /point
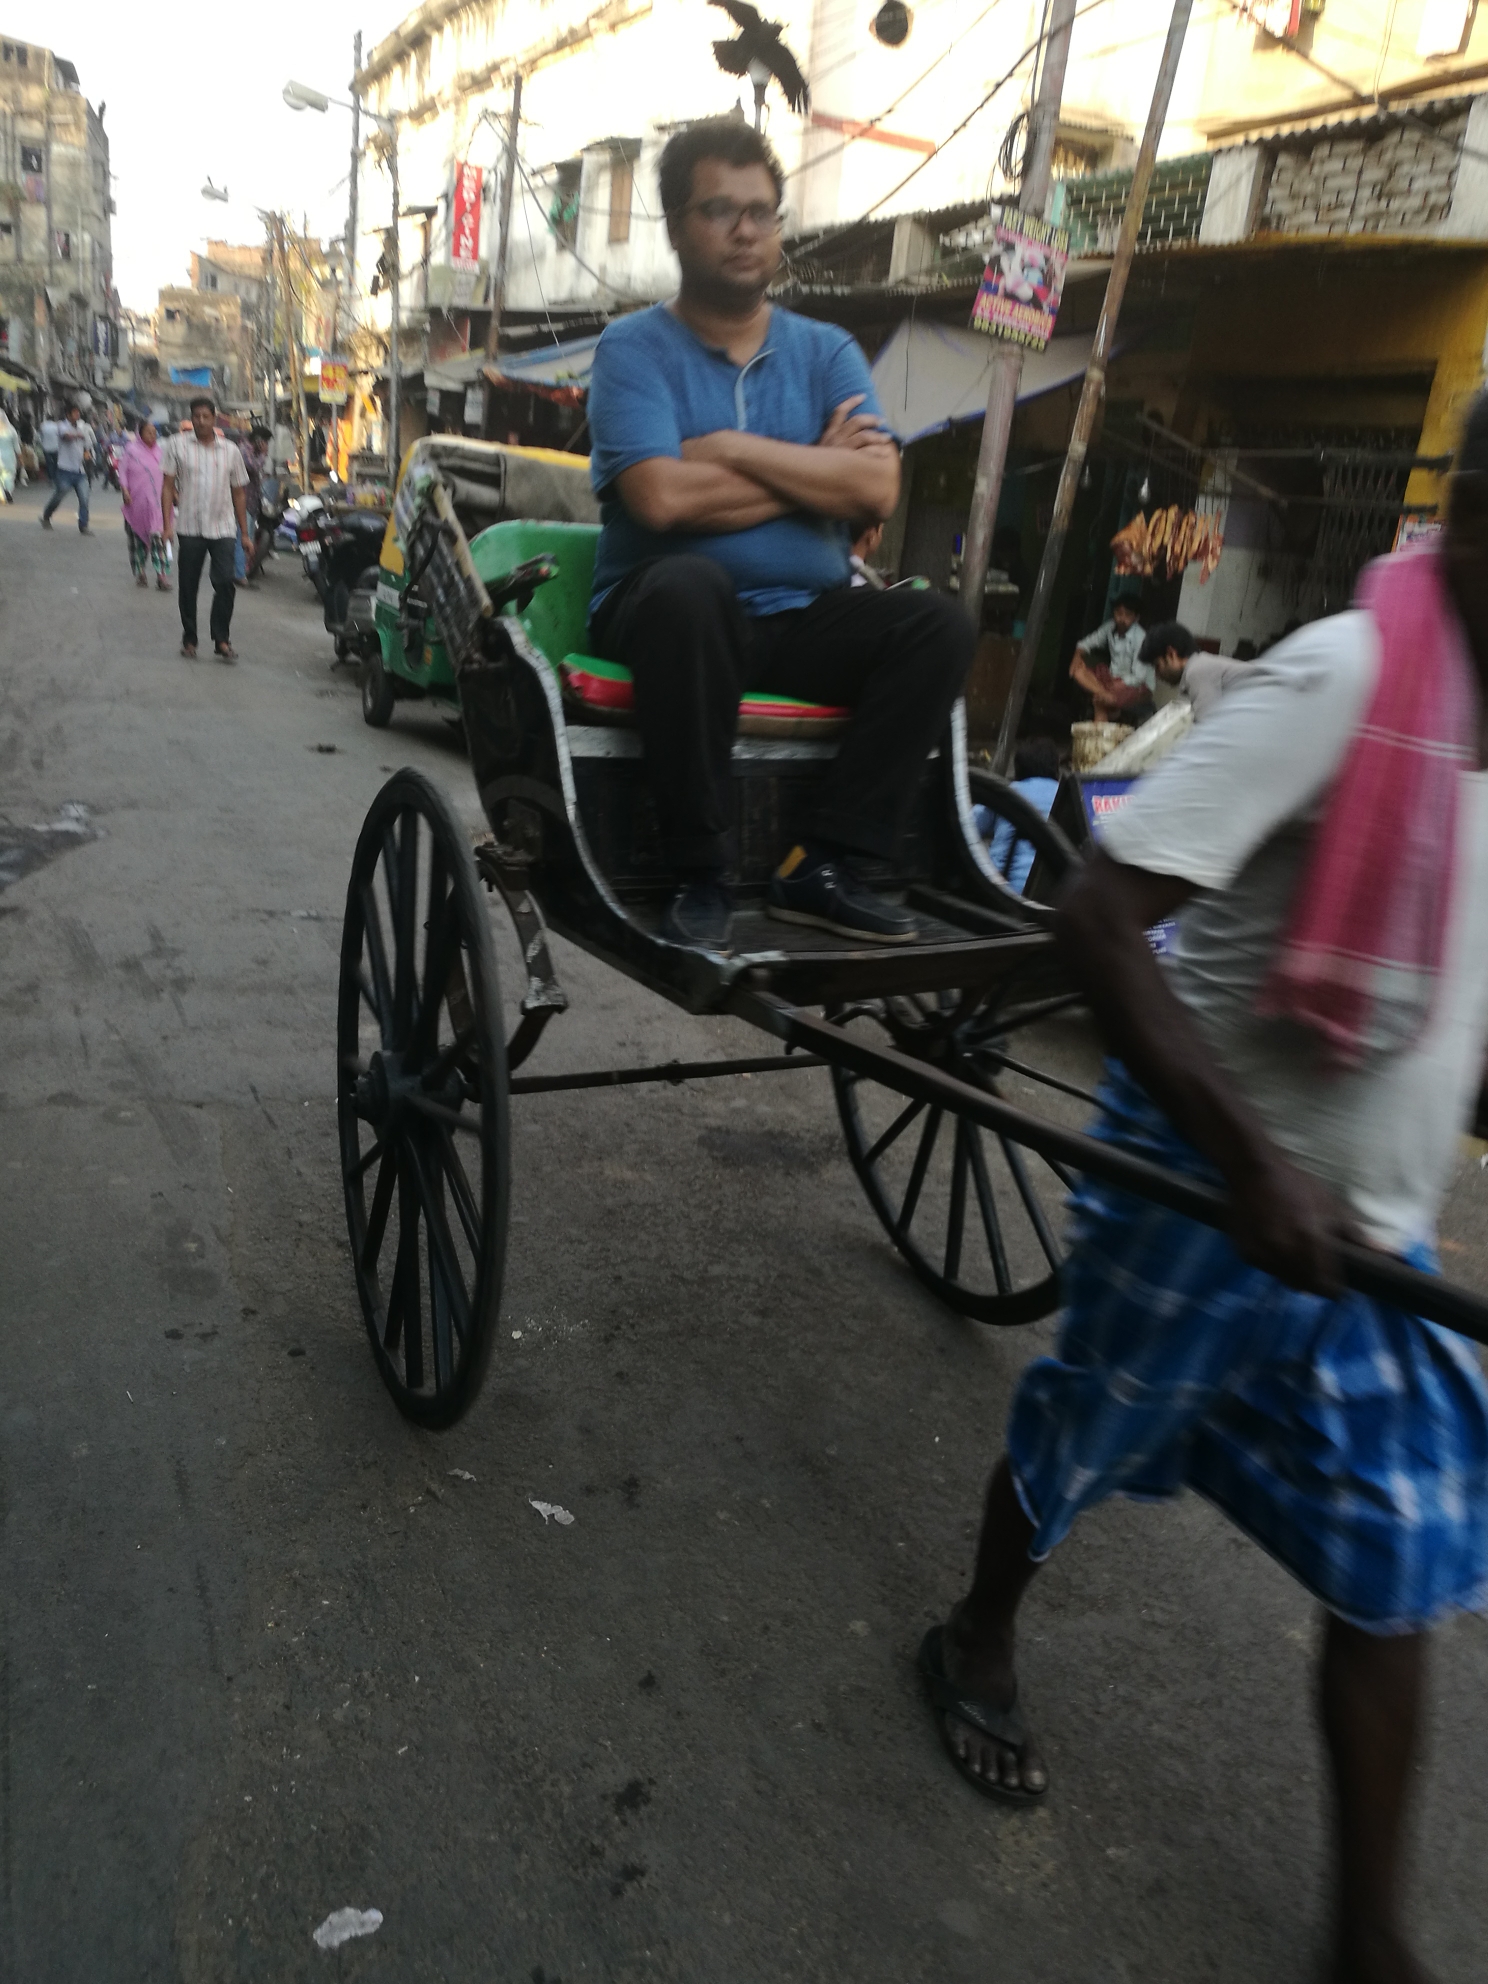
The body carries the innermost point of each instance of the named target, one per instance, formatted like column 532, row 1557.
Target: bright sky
column 192, row 90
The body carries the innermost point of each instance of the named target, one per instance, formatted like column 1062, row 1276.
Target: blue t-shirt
column 1012, row 856
column 656, row 385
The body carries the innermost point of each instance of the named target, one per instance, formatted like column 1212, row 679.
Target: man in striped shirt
column 203, row 493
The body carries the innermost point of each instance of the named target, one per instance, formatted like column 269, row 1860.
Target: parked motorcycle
column 349, row 538
column 356, row 639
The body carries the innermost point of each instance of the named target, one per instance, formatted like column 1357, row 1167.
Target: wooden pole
column 503, row 240
column 1094, row 388
column 1007, row 358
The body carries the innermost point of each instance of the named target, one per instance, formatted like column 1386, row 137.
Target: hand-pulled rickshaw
column 482, row 600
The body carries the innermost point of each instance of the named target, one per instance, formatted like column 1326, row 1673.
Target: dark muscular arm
column 1284, row 1220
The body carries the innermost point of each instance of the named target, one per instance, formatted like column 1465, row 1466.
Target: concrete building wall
column 56, row 261
column 1348, row 54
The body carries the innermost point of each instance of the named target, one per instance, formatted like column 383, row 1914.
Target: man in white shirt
column 1108, row 666
column 74, row 448
column 1348, row 1438
column 48, row 441
column 203, row 496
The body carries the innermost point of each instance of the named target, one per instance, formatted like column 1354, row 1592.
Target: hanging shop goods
column 1023, row 280
column 1161, row 545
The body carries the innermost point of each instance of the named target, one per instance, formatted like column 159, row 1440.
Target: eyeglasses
column 727, row 214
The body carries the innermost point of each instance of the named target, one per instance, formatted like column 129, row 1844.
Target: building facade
column 59, row 312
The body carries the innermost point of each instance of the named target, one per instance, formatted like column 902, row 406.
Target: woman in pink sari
column 141, row 468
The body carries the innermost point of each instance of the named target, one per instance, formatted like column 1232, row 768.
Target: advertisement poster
column 1413, row 528
column 465, row 218
column 1024, row 279
column 333, row 381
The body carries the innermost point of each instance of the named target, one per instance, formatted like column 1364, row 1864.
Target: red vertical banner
column 465, row 217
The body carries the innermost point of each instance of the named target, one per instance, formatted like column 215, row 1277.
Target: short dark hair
column 201, row 399
column 723, row 138
column 1036, row 757
column 74, row 406
column 1166, row 634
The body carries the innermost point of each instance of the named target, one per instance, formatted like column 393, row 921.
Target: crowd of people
column 192, row 499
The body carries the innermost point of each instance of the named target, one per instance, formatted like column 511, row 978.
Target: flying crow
column 760, row 39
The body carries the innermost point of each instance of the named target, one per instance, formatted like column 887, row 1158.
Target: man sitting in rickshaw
column 737, row 451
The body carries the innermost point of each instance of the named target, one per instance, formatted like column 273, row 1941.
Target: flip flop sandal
column 1003, row 1725
column 188, row 651
column 225, row 651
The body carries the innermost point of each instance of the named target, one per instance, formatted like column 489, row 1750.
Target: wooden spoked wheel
column 422, row 1101
column 975, row 1215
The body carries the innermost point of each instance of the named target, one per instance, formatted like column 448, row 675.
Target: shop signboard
column 1023, row 280
column 465, row 216
column 1281, row 19
column 333, row 381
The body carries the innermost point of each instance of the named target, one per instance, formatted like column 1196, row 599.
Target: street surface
column 266, row 1653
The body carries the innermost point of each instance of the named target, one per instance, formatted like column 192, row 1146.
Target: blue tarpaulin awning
column 191, row 375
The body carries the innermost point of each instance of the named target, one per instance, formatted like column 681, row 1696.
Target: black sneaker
column 828, row 894
column 700, row 915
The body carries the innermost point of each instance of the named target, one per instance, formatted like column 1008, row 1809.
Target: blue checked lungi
column 1348, row 1438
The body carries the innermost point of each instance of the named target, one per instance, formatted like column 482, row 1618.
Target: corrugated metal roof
column 1314, row 124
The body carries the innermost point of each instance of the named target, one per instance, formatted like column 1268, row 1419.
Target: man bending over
column 1314, row 1041
column 737, row 451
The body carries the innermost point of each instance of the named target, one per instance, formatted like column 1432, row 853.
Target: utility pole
column 1094, row 388
column 396, row 273
column 292, row 310
column 271, row 402
column 356, row 156
column 503, row 237
column 1007, row 358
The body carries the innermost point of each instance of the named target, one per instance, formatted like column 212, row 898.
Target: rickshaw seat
column 556, row 622
column 604, row 692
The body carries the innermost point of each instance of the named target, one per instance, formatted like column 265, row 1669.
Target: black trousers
column 194, row 553
column 896, row 659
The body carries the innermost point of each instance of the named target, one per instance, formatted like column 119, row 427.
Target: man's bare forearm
column 665, row 495
column 1282, row 1219
column 167, row 503
column 848, row 484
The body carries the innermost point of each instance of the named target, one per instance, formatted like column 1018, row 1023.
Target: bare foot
column 982, row 1665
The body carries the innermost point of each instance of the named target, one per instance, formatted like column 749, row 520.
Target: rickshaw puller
column 737, row 450
column 1314, row 1041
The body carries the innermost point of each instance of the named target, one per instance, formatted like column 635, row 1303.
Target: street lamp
column 300, row 96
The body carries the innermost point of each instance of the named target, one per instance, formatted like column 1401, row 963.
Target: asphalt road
column 265, row 1654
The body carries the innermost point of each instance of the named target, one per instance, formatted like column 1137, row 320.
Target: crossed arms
column 730, row 481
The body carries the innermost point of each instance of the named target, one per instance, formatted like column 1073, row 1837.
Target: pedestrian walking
column 74, row 436
column 256, row 461
column 48, row 438
column 1314, row 1040
column 203, row 502
column 141, row 477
